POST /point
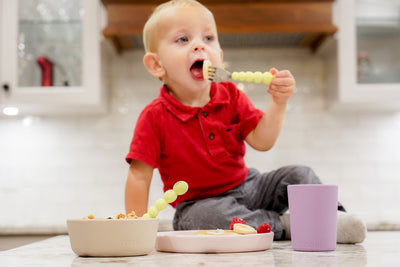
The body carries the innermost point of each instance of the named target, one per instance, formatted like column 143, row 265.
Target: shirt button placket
column 211, row 136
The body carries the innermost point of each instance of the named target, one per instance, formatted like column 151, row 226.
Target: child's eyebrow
column 179, row 34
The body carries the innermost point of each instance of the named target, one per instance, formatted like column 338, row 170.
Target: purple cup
column 313, row 216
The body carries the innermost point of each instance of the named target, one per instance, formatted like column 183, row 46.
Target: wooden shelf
column 311, row 17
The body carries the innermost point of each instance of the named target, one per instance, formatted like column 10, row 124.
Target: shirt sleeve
column 145, row 144
column 248, row 115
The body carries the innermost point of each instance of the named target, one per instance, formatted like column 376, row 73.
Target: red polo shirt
column 202, row 146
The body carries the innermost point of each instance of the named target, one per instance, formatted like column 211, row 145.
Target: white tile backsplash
column 54, row 168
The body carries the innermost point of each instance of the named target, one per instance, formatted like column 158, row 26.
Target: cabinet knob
column 6, row 87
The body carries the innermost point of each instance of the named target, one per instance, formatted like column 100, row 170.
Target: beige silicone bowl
column 112, row 237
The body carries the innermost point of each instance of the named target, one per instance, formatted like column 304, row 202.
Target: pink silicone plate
column 189, row 242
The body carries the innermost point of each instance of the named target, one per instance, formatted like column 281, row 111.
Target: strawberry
column 237, row 220
column 264, row 228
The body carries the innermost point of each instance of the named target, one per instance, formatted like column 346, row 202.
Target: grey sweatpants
column 261, row 198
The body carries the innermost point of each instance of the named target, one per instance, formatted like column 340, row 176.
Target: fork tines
column 211, row 73
column 216, row 74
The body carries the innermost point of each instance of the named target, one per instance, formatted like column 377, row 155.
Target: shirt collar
column 219, row 96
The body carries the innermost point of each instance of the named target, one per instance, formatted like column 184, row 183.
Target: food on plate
column 243, row 229
column 238, row 225
column 236, row 220
column 264, row 228
column 216, row 232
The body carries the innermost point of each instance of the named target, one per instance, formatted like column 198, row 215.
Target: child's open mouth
column 197, row 70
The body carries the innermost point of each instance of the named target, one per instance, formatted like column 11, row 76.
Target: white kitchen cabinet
column 364, row 69
column 50, row 58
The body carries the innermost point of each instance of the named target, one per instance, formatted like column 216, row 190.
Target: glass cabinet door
column 49, row 43
column 50, row 57
column 378, row 41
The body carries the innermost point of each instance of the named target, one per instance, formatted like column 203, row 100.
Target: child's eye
column 209, row 38
column 182, row 39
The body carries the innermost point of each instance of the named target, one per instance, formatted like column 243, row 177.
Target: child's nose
column 198, row 46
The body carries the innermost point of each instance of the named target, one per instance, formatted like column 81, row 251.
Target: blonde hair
column 151, row 24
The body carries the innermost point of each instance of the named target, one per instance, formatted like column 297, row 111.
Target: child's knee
column 303, row 175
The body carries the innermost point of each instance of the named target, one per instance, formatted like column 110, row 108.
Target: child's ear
column 153, row 65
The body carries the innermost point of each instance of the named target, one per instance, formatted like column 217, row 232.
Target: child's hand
column 282, row 86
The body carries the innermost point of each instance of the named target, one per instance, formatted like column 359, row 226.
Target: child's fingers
column 283, row 81
column 280, row 91
column 283, row 73
column 283, row 77
column 280, row 73
column 273, row 71
column 284, row 87
column 282, row 84
column 281, row 88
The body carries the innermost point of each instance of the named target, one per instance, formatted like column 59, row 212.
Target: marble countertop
column 379, row 249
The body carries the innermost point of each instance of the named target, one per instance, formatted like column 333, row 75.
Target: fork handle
column 256, row 77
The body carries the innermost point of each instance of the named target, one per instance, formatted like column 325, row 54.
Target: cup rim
column 312, row 185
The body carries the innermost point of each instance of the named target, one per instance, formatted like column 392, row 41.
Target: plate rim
column 211, row 243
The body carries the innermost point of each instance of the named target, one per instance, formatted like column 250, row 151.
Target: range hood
column 239, row 22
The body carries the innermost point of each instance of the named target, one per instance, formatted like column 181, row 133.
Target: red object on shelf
column 47, row 70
